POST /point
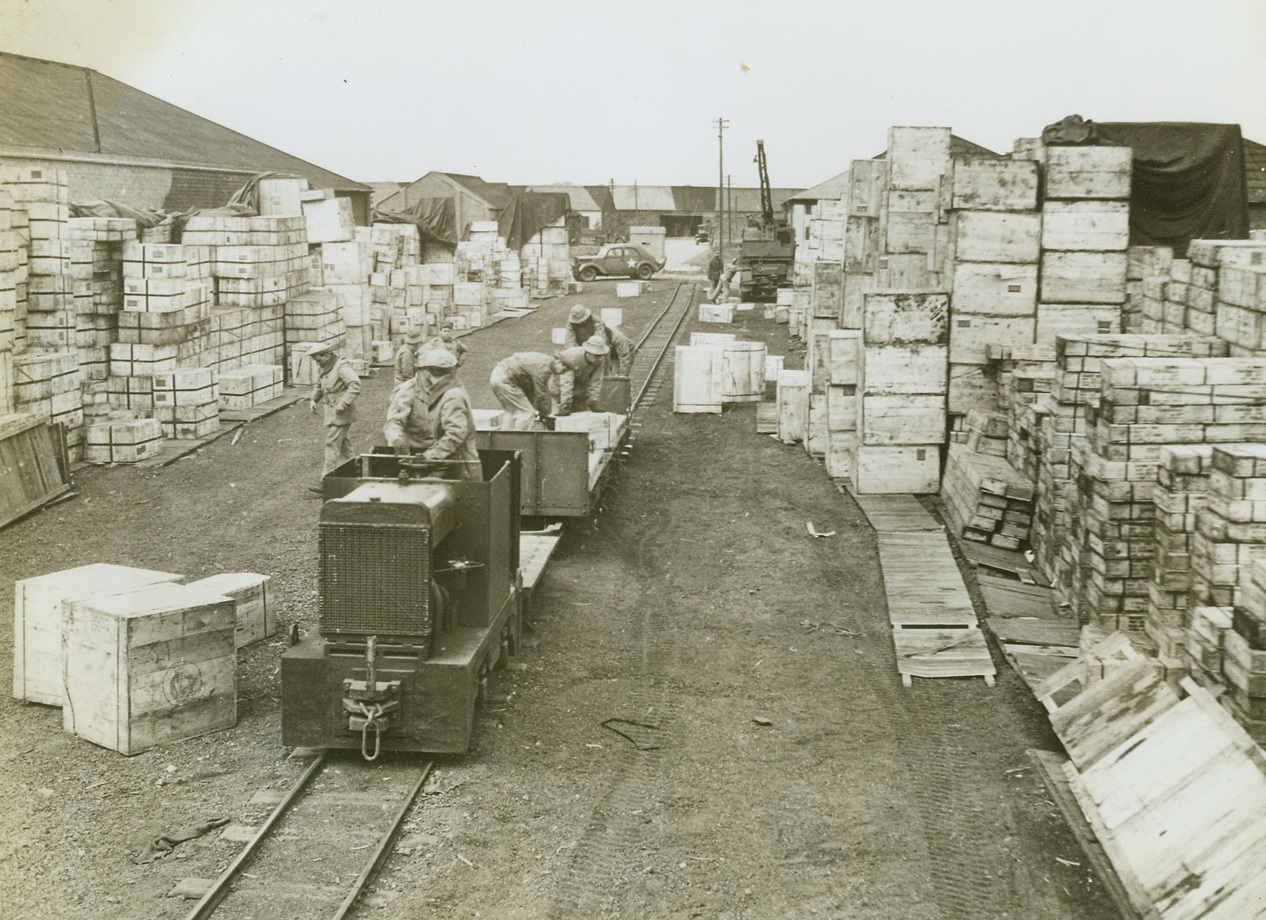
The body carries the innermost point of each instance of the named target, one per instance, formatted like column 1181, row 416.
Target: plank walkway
column 934, row 627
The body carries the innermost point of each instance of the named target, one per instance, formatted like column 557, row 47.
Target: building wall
column 466, row 207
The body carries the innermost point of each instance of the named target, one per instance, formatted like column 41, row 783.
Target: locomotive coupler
column 370, row 703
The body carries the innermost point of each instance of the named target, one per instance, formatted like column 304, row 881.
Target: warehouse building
column 121, row 144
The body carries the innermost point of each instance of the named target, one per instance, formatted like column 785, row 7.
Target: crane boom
column 766, row 195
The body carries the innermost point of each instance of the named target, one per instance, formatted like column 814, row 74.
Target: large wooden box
column 905, row 369
column 911, row 469
column 38, row 616
column 149, row 667
column 1086, row 226
column 697, row 379
column 329, row 220
column 916, row 419
column 971, row 336
column 904, row 317
column 792, row 398
column 1083, row 277
column 993, row 184
column 255, row 615
column 997, row 236
column 1088, row 172
column 995, row 288
column 918, row 156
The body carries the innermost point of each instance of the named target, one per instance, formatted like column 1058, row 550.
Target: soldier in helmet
column 582, row 325
column 523, row 384
column 430, row 416
column 337, row 388
column 580, row 383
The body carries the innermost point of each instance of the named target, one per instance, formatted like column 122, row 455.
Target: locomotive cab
column 419, row 597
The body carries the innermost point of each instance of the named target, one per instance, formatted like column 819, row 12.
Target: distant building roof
column 691, row 198
column 47, row 107
column 1255, row 171
column 383, row 190
column 832, row 189
column 581, row 198
column 496, row 194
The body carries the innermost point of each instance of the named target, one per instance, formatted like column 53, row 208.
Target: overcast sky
column 628, row 90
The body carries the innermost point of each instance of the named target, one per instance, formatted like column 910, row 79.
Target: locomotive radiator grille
column 375, row 580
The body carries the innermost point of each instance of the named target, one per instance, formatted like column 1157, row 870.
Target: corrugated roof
column 580, row 197
column 1255, row 171
column 832, row 189
column 47, row 106
column 692, row 198
column 644, row 198
column 496, row 194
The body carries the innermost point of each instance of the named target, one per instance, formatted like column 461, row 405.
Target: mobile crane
column 768, row 250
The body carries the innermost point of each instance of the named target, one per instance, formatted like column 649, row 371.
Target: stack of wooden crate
column 249, row 386
column 47, row 384
column 187, row 403
column 986, row 500
column 1085, row 233
column 1147, row 271
column 1241, row 286
column 1147, row 403
column 844, row 347
column 110, row 441
column 1244, row 654
column 863, row 242
column 995, row 227
column 13, row 264
column 1205, row 642
column 901, row 422
column 1231, row 528
column 1021, row 389
column 315, row 316
column 1182, row 486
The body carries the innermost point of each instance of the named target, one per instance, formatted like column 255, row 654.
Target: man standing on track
column 337, row 387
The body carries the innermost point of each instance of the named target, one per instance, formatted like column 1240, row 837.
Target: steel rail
column 654, row 327
column 219, row 889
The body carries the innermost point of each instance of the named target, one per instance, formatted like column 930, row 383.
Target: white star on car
column 632, row 263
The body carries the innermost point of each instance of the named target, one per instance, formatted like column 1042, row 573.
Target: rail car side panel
column 555, row 473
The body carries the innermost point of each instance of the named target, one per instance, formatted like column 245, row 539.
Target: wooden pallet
column 942, row 653
column 535, row 551
column 897, row 514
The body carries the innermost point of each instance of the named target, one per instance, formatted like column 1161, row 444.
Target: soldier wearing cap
column 407, row 355
column 524, row 383
column 431, row 416
column 337, row 388
column 447, row 341
column 582, row 325
column 580, row 383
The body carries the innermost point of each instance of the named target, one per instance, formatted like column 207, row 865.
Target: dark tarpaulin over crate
column 1188, row 178
column 527, row 213
column 435, row 218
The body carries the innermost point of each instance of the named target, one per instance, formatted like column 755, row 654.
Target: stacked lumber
column 1084, row 236
column 1182, row 486
column 985, row 499
column 996, row 228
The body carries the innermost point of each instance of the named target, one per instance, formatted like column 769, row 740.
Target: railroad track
column 653, row 346
column 323, row 843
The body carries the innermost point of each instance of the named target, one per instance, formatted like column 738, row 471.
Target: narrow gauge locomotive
column 421, row 590
column 420, row 599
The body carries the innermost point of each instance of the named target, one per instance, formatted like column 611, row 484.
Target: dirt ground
column 788, row 773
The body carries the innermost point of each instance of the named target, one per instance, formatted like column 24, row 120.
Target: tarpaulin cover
column 1188, row 179
column 527, row 213
column 100, row 207
column 435, row 218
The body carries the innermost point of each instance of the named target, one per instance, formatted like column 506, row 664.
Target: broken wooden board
column 32, row 465
column 1050, row 767
column 1111, row 710
column 1035, row 663
column 535, row 551
column 1003, row 560
column 943, row 653
column 1036, row 632
column 897, row 514
column 1006, row 598
column 922, row 582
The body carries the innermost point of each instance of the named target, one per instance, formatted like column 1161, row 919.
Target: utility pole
column 729, row 203
column 722, row 124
